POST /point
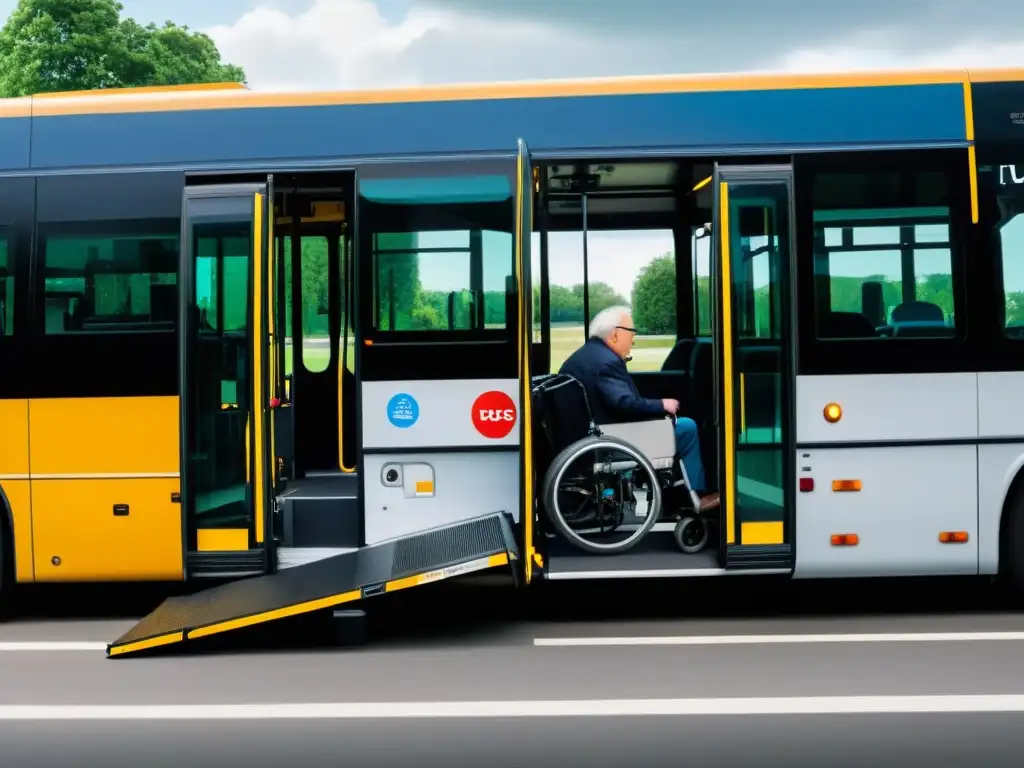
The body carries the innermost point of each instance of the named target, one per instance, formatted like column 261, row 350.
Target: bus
column 303, row 349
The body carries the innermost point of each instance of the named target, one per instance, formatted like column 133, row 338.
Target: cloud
column 882, row 49
column 351, row 44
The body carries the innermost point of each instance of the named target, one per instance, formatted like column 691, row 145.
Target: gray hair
column 607, row 320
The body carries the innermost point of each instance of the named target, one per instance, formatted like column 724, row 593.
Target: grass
column 649, row 352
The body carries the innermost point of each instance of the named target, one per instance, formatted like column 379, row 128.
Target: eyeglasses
column 625, row 328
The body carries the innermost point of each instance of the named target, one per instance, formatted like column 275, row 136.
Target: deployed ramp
column 423, row 558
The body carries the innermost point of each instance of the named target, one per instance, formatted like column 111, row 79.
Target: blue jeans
column 688, row 449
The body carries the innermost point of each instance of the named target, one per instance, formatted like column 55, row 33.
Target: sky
column 337, row 44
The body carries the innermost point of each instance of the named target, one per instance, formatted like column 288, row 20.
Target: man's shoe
column 711, row 501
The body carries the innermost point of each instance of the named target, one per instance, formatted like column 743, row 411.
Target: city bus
column 304, row 349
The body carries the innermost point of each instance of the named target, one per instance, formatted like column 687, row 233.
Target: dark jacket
column 612, row 393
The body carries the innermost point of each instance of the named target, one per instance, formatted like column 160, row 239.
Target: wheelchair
column 601, row 495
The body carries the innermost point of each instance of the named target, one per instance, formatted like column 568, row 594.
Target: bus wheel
column 6, row 573
column 1014, row 544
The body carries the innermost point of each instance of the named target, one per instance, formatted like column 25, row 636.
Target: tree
column 654, row 297
column 76, row 45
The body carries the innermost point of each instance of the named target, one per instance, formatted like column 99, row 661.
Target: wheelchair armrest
column 655, row 439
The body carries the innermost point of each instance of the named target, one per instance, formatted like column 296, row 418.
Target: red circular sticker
column 494, row 414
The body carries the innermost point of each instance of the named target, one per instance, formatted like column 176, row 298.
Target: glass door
column 227, row 369
column 755, row 377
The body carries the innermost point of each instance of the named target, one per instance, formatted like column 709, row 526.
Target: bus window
column 636, row 268
column 109, row 280
column 701, row 260
column 316, row 346
column 1011, row 239
column 883, row 267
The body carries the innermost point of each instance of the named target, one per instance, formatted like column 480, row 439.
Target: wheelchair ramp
column 422, row 558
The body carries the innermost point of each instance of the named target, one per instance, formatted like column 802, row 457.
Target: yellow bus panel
column 222, row 539
column 107, row 530
column 14, row 446
column 104, row 437
column 14, row 474
column 19, row 497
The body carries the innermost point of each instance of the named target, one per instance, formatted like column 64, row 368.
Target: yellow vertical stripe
column 525, row 296
column 258, row 399
column 972, row 159
column 728, row 421
column 972, row 163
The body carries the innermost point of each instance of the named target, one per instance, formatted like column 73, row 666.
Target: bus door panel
column 439, row 269
column 227, row 359
column 753, row 362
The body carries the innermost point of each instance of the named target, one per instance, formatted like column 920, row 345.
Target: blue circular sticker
column 403, row 410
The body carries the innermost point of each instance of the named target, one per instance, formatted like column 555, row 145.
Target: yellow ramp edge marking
column 440, row 574
column 142, row 645
column 762, row 533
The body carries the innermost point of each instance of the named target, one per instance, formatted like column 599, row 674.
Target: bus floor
column 657, row 555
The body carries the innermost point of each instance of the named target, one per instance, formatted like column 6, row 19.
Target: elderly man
column 600, row 365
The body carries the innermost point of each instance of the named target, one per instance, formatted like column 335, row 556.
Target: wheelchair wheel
column 570, row 469
column 691, row 534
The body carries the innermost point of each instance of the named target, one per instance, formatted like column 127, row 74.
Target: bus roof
column 227, row 124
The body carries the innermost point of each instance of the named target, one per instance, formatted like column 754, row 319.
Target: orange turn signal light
column 845, row 539
column 833, row 412
column 846, row 486
column 953, row 537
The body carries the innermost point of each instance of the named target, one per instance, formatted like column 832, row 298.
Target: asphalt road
column 737, row 675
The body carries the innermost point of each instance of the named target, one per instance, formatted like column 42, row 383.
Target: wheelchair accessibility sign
column 403, row 410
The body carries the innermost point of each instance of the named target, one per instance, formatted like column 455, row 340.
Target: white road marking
column 903, row 637
column 808, row 705
column 38, row 646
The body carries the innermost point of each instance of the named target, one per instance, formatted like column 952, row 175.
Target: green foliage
column 654, row 297
column 48, row 46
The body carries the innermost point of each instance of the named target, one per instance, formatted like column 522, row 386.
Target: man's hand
column 670, row 405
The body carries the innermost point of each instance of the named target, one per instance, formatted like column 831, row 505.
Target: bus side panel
column 909, row 493
column 999, row 417
column 14, row 472
column 104, row 472
column 449, row 469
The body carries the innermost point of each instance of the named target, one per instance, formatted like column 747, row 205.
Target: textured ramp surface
column 311, row 587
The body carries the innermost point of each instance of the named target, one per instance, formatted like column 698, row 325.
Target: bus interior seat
column 679, row 356
column 846, row 325
column 919, row 318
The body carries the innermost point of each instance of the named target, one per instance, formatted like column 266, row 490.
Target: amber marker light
column 833, row 413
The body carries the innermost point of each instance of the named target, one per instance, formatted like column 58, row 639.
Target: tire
column 1014, row 544
column 691, row 534
column 6, row 570
column 553, row 478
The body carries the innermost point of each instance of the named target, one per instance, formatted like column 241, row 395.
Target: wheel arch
column 1013, row 495
column 7, row 553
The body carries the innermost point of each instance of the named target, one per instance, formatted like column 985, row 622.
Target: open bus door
column 228, row 380
column 524, row 292
column 755, row 382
